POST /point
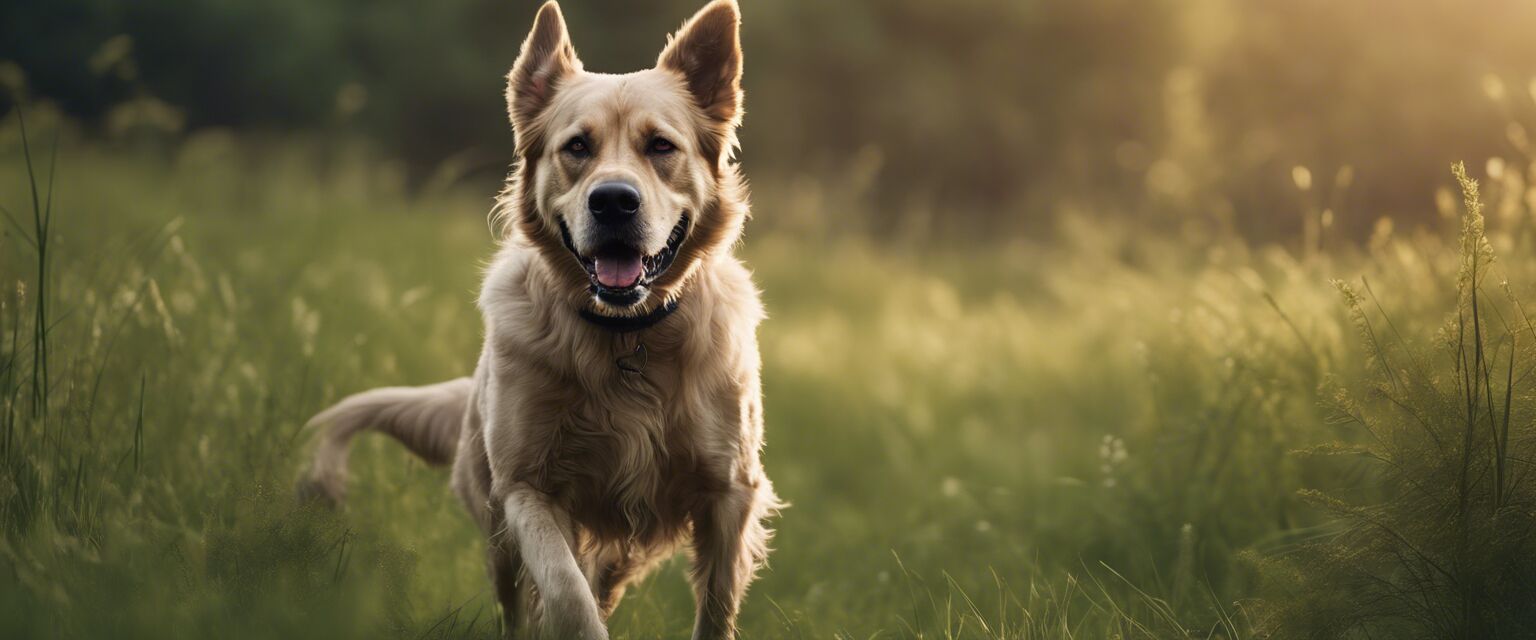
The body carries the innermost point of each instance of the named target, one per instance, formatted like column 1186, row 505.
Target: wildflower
column 1302, row 176
column 1112, row 455
column 1493, row 87
column 1495, row 167
column 950, row 487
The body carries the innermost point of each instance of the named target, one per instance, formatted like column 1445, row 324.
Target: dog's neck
column 628, row 324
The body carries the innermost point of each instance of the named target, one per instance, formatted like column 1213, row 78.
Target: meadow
column 1101, row 432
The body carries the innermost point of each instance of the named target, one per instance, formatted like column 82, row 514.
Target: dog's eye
column 577, row 147
column 661, row 146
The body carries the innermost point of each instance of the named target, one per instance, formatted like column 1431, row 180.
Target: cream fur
column 583, row 476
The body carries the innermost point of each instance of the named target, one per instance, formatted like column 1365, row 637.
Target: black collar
column 627, row 324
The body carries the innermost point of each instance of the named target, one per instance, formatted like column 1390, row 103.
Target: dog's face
column 625, row 182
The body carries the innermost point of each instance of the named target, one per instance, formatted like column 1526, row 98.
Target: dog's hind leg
column 729, row 542
column 619, row 566
column 506, row 569
column 472, row 482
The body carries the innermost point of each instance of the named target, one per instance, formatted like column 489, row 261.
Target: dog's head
column 625, row 183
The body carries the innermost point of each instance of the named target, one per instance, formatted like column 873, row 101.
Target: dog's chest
column 629, row 454
column 626, row 456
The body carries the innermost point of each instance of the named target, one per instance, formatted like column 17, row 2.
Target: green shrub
column 1438, row 543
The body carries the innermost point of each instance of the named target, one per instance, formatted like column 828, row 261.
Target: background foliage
column 989, row 112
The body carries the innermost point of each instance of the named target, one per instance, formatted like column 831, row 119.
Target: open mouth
column 619, row 272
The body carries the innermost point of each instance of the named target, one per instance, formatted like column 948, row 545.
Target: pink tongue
column 619, row 272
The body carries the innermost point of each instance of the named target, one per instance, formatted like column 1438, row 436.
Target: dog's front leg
column 729, row 542
column 543, row 538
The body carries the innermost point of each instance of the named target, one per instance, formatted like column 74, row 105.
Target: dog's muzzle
column 618, row 273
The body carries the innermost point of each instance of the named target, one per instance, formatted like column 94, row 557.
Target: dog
column 615, row 414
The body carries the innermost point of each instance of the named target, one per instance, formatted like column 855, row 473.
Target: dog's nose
column 613, row 203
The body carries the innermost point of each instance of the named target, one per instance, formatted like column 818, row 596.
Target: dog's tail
column 427, row 420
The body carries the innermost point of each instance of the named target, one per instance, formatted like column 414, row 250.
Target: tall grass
column 1073, row 440
column 146, row 437
column 27, row 501
column 1441, row 541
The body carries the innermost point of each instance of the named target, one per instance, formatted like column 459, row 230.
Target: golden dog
column 615, row 413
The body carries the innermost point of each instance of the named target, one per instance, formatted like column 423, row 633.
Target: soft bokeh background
column 955, row 113
column 1054, row 348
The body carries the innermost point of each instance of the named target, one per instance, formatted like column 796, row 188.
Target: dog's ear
column 707, row 52
column 547, row 59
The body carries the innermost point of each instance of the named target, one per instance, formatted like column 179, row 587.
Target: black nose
column 613, row 203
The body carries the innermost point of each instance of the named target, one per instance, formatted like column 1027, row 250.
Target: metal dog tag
column 635, row 361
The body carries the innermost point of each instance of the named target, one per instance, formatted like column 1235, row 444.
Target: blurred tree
column 54, row 42
column 980, row 111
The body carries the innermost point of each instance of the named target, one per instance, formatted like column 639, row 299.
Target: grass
column 1091, row 437
column 1446, row 551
